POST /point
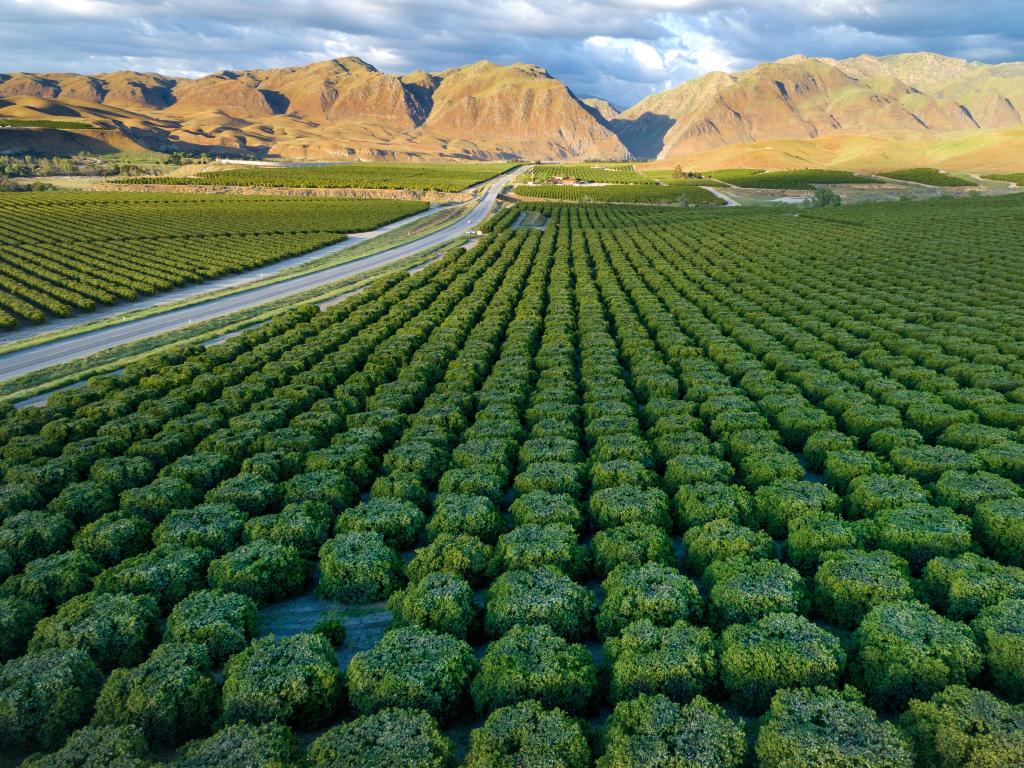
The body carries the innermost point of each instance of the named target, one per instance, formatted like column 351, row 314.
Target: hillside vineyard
column 695, row 475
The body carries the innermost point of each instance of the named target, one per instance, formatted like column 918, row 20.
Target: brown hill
column 346, row 109
column 342, row 108
column 805, row 98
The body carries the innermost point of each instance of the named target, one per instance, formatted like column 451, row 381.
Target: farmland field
column 1016, row 178
column 614, row 173
column 62, row 253
column 442, row 177
column 724, row 488
column 929, row 176
column 804, row 178
column 621, row 193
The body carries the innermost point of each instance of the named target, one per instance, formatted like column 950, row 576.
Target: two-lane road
column 90, row 342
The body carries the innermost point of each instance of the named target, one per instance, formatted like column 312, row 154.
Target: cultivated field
column 804, row 178
column 648, row 486
column 621, row 193
column 62, row 253
column 441, row 177
column 929, row 176
column 613, row 173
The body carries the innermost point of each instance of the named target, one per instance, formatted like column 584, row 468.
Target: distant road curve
column 87, row 343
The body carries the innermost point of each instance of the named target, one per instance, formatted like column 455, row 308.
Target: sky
column 621, row 50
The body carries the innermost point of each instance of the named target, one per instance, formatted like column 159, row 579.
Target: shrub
column 768, row 468
column 18, row 617
column 412, row 667
column 926, row 463
column 620, row 472
column 551, row 476
column 841, row 467
column 905, row 650
column 559, row 449
column 999, row 524
column 329, row 487
column 114, row 630
column 32, row 534
column 527, row 735
column 741, row 590
column 442, row 602
column 1005, row 459
column 251, row 493
column 223, row 622
column 264, row 571
column 401, row 486
column 533, row 545
column 391, row 738
column 885, row 441
column 462, row 555
column 678, row 661
column 703, row 502
column 304, row 526
column 807, row 728
column 243, row 745
column 44, row 696
column 634, row 543
column 851, row 582
column 166, row 573
column 169, row 696
column 113, row 537
column 535, row 663
column 610, row 507
column 820, row 444
column 962, row 726
column 542, row 595
column 862, row 420
column 217, row 527
column 457, row 513
column 690, row 469
column 653, row 730
column 358, row 568
column 478, row 481
column 780, row 650
column 963, row 491
column 120, row 746
column 293, row 680
column 154, row 501
column 999, row 630
column 918, row 532
column 870, row 494
column 775, row 505
column 53, row 580
column 542, row 508
column 650, row 591
column 721, row 539
column 812, row 536
column 963, row 585
column 83, row 502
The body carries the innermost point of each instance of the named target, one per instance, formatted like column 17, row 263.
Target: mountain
column 342, row 108
column 807, row 98
column 347, row 109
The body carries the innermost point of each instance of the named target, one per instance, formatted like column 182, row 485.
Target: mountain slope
column 806, row 98
column 341, row 108
column 345, row 109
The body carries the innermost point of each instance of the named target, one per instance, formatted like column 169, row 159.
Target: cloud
column 619, row 49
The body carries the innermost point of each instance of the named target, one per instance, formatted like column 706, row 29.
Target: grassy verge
column 396, row 237
column 63, row 375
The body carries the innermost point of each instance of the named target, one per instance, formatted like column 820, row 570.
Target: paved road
column 70, row 348
column 722, row 196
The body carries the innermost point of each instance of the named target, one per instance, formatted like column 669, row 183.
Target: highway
column 90, row 342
